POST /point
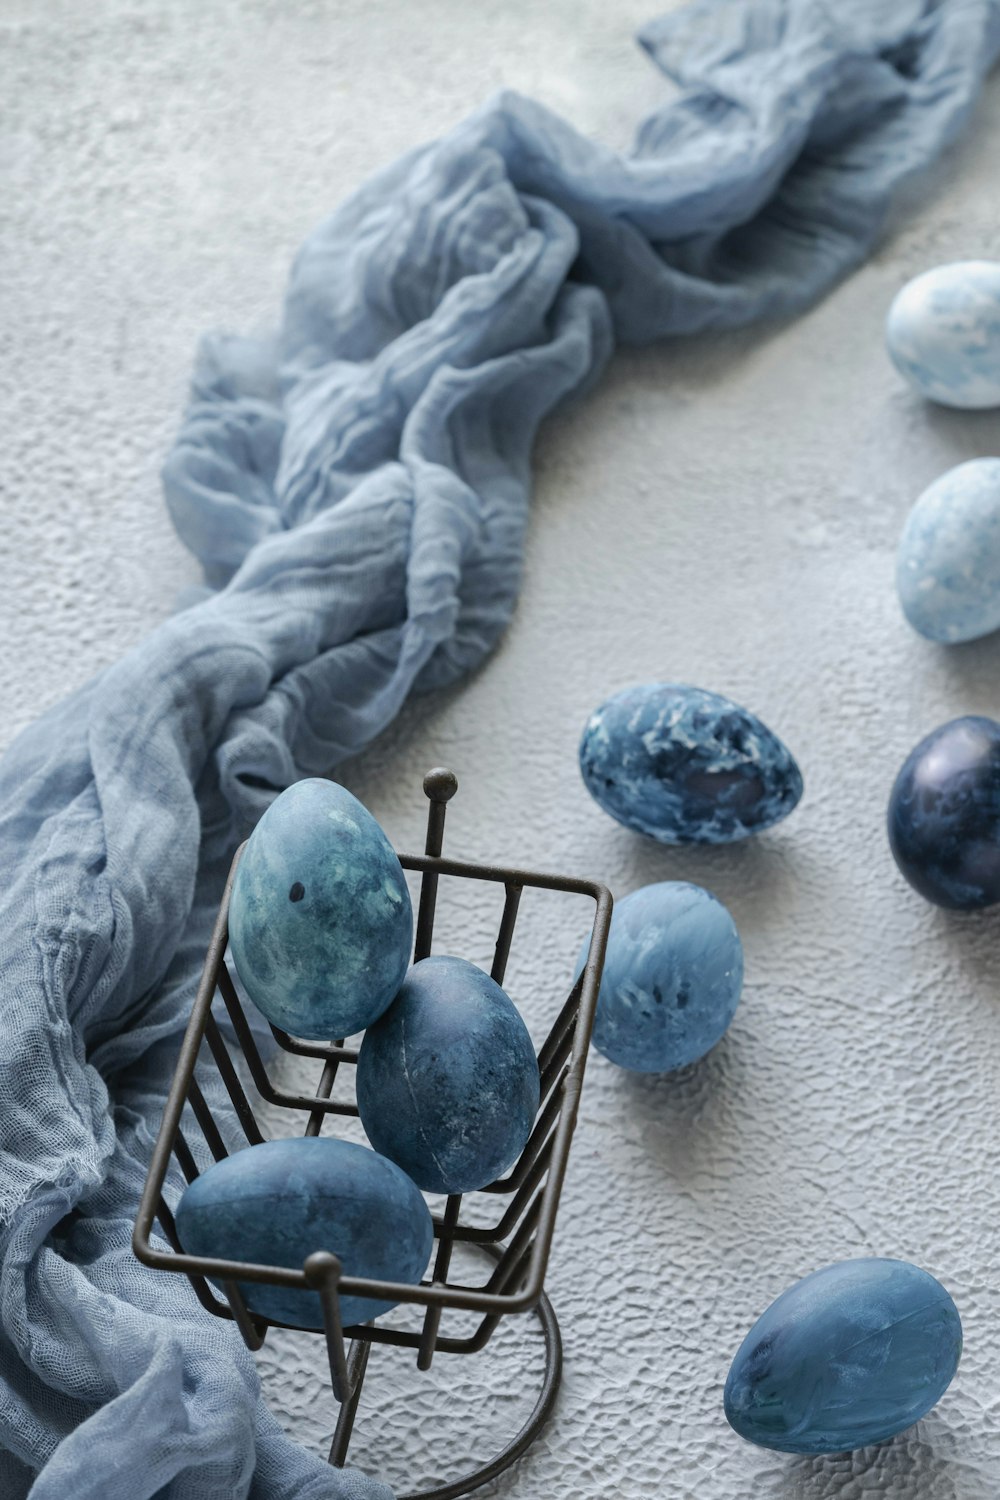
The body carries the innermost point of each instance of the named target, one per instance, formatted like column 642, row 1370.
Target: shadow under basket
column 518, row 1239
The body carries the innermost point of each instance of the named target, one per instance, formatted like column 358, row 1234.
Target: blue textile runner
column 357, row 490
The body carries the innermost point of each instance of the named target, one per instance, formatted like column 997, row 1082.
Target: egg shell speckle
column 277, row 1203
column 948, row 564
column 320, row 920
column 848, row 1356
column 447, row 1079
column 943, row 333
column 686, row 766
column 672, row 978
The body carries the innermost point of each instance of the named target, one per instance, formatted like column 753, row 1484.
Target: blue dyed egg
column 672, row 977
column 447, row 1080
column 948, row 565
column 943, row 333
column 849, row 1356
column 276, row 1204
column 686, row 766
column 944, row 815
column 320, row 921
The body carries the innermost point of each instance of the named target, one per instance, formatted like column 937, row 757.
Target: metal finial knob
column 440, row 785
column 320, row 1267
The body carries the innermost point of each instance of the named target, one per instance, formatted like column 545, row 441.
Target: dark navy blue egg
column 447, row 1079
column 686, row 766
column 847, row 1357
column 320, row 921
column 278, row 1203
column 673, row 972
column 944, row 815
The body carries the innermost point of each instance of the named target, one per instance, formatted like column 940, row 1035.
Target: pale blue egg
column 320, row 920
column 943, row 333
column 948, row 564
column 276, row 1204
column 673, row 972
column 849, row 1356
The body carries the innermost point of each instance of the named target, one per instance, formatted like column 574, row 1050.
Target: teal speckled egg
column 320, row 921
column 277, row 1203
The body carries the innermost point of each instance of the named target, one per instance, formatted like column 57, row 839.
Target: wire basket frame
column 517, row 1241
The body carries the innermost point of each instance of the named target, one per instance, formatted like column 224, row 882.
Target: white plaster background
column 725, row 513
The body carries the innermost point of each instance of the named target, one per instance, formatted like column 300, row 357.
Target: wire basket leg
column 357, row 1363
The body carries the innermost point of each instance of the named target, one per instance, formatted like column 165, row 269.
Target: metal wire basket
column 517, row 1241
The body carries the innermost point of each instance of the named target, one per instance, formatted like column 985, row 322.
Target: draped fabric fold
column 357, row 488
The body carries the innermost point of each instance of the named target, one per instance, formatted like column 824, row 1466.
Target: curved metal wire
column 540, row 1414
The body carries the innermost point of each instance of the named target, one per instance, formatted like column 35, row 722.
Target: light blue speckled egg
column 672, row 978
column 447, row 1079
column 276, row 1204
column 686, row 766
column 320, row 921
column 948, row 564
column 943, row 333
column 848, row 1356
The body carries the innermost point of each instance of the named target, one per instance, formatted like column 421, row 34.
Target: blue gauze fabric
column 357, row 491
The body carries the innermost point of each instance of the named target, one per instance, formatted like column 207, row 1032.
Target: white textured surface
column 725, row 514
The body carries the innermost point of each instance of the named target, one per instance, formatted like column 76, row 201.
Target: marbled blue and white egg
column 943, row 333
column 948, row 564
column 686, row 766
column 447, row 1078
column 849, row 1356
column 673, row 972
column 276, row 1204
column 320, row 920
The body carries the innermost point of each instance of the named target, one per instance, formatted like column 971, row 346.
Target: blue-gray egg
column 277, row 1203
column 948, row 564
column 944, row 815
column 846, row 1357
column 686, row 766
column 320, row 920
column 447, row 1079
column 673, row 972
column 943, row 333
